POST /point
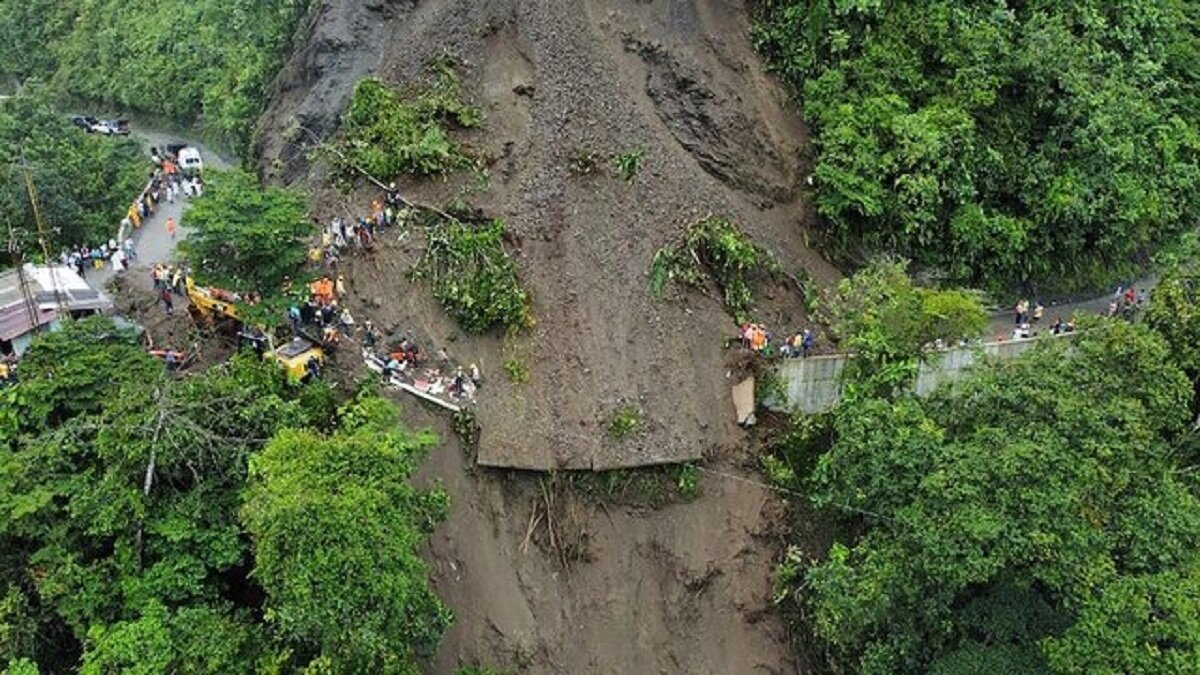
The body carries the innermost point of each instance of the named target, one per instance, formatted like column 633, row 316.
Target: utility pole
column 44, row 240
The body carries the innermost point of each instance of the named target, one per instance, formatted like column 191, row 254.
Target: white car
column 189, row 161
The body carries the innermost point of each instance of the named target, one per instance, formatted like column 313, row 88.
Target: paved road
column 151, row 241
column 1001, row 324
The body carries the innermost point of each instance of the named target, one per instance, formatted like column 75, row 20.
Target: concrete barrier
column 814, row 384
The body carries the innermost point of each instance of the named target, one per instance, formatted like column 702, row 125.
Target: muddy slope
column 675, row 78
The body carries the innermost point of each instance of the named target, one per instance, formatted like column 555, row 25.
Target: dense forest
column 207, row 62
column 83, row 183
column 136, row 505
column 997, row 143
column 1040, row 515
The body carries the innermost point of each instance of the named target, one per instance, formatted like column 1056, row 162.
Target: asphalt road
column 151, row 241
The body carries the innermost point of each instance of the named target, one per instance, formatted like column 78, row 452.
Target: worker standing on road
column 171, row 227
column 165, row 296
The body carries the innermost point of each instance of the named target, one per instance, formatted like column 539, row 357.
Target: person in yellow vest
column 135, row 215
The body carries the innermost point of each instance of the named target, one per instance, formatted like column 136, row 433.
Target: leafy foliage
column 84, row 183
column 473, row 276
column 886, row 321
column 625, row 422
column 1031, row 518
column 121, row 545
column 516, row 370
column 337, row 527
column 629, row 163
column 1053, row 142
column 206, row 61
column 714, row 249
column 386, row 135
column 246, row 237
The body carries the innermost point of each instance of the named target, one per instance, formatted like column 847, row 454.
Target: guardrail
column 814, row 384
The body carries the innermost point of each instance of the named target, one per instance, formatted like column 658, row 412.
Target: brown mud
column 681, row 589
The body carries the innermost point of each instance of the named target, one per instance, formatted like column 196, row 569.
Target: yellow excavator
column 215, row 304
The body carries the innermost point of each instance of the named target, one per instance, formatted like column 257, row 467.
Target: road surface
column 151, row 241
column 1001, row 324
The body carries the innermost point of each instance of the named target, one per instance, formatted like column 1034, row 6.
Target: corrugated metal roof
column 77, row 296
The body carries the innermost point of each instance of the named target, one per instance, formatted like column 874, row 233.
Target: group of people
column 341, row 235
column 82, row 258
column 1126, row 302
column 757, row 339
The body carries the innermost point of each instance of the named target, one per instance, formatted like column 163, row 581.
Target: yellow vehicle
column 293, row 356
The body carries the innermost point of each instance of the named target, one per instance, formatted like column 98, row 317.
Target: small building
column 30, row 300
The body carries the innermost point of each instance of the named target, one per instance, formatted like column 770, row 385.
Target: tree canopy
column 1037, row 516
column 84, row 183
column 123, row 490
column 998, row 143
column 246, row 237
column 206, row 61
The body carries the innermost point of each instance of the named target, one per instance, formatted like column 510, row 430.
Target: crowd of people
column 342, row 235
column 758, row 339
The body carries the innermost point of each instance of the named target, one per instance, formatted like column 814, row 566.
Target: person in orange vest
column 171, row 227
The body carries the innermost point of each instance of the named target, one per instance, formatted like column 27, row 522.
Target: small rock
column 377, row 302
column 525, row 90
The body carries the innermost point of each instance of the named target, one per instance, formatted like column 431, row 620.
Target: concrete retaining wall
column 815, row 384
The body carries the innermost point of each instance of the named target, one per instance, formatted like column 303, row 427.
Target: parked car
column 116, row 127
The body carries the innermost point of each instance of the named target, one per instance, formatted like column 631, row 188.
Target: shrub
column 625, row 422
column 387, row 135
column 517, row 371
column 629, row 163
column 473, row 276
column 714, row 249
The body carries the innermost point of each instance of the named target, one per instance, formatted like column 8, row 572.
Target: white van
column 189, row 161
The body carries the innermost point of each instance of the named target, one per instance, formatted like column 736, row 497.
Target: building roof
column 43, row 280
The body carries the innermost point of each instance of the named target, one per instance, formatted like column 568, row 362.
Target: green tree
column 999, row 143
column 887, row 322
column 246, row 237
column 1032, row 517
column 337, row 526
column 170, row 57
column 84, row 184
column 120, row 543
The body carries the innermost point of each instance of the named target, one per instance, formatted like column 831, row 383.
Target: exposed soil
column 682, row 589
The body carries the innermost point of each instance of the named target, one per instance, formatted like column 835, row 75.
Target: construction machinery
column 213, row 304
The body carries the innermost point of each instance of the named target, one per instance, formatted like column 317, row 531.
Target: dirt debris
column 681, row 589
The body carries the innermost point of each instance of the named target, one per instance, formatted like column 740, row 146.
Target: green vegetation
column 714, row 249
column 516, row 370
column 387, row 135
column 84, row 183
column 1038, row 515
column 1052, row 142
column 887, row 321
column 336, row 526
column 203, row 61
column 246, row 237
column 472, row 274
column 223, row 522
column 649, row 487
column 629, row 163
column 625, row 422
